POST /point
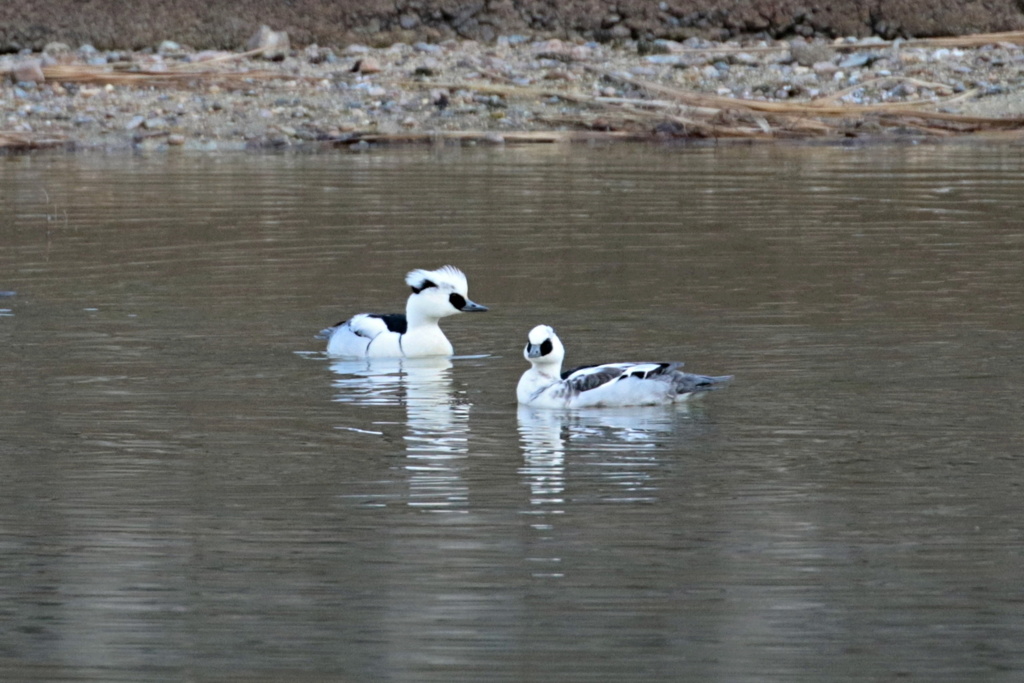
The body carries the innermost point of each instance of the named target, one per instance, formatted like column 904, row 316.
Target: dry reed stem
column 529, row 136
column 705, row 115
column 17, row 140
column 76, row 73
column 813, row 108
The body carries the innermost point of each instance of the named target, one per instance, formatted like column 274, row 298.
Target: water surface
column 191, row 490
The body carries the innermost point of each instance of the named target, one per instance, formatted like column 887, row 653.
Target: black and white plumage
column 544, row 385
column 435, row 294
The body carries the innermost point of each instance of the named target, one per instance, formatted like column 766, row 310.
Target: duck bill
column 533, row 351
column 471, row 307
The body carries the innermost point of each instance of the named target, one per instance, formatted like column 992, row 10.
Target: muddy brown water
column 191, row 491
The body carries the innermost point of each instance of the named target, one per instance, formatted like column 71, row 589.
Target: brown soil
column 203, row 24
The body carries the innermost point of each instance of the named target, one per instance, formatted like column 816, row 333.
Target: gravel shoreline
column 516, row 89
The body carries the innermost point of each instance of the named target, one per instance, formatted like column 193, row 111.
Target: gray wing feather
column 588, row 378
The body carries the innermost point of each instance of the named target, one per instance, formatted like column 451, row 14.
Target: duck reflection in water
column 610, row 452
column 437, row 422
column 617, row 446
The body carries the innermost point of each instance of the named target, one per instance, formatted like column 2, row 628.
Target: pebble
column 809, row 54
column 367, row 65
column 29, row 71
column 273, row 44
column 168, row 47
column 856, row 60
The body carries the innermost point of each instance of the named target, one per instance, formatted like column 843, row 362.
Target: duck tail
column 687, row 383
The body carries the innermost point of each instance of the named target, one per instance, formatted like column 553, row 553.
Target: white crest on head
column 448, row 277
column 539, row 334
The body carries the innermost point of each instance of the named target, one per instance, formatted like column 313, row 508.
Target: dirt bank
column 200, row 24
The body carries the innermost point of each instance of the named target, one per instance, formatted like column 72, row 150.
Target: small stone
column 272, row 44
column 856, row 60
column 175, row 139
column 28, row 71
column 356, row 49
column 56, row 48
column 155, row 123
column 808, row 54
column 408, row 21
column 367, row 65
column 318, row 55
column 580, row 53
column 168, row 47
column 135, row 122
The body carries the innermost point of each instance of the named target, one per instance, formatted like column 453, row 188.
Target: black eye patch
column 423, row 285
column 458, row 301
column 547, row 347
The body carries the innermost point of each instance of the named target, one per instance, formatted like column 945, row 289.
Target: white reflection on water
column 437, row 422
column 615, row 448
column 619, row 442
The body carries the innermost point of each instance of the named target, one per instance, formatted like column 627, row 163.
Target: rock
column 175, row 139
column 808, row 54
column 856, row 60
column 169, row 47
column 367, row 65
column 318, row 55
column 28, row 71
column 56, row 48
column 272, row 44
column 135, row 122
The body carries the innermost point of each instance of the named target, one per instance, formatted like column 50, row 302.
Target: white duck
column 544, row 385
column 435, row 294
